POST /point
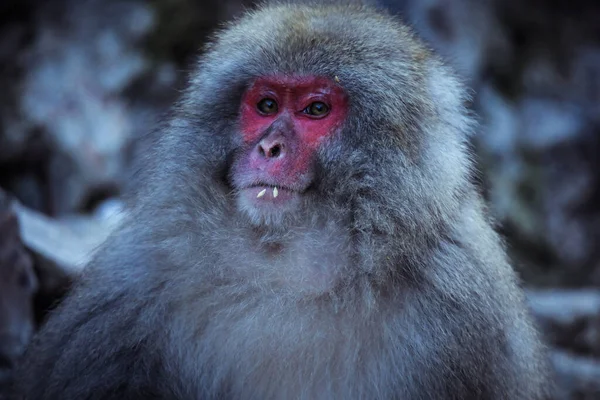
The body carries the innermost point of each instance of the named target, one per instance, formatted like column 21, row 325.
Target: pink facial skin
column 282, row 143
column 293, row 95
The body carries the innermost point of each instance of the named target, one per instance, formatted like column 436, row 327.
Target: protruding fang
column 261, row 193
column 275, row 192
column 337, row 79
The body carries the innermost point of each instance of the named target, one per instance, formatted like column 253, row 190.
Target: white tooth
column 261, row 193
column 275, row 192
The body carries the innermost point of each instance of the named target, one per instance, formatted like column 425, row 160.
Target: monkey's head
column 303, row 112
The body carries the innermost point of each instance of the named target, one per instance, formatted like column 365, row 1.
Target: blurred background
column 83, row 80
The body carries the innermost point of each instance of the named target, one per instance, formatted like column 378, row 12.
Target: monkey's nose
column 271, row 148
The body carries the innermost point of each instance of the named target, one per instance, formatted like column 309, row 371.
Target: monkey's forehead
column 386, row 72
column 321, row 40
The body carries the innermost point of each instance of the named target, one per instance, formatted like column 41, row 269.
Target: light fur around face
column 386, row 282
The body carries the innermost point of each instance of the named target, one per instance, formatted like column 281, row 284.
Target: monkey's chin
column 267, row 205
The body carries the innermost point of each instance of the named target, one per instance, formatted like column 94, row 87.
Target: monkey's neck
column 302, row 260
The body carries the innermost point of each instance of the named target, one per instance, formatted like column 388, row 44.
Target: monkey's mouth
column 266, row 201
column 268, row 204
column 270, row 193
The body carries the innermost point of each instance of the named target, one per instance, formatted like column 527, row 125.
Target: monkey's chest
column 276, row 349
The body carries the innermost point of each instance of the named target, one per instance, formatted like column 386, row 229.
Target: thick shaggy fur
column 387, row 282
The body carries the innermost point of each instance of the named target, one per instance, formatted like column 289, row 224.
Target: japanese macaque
column 303, row 227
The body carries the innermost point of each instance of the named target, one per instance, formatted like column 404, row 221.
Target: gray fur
column 388, row 282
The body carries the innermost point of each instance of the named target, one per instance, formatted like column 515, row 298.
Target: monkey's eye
column 317, row 109
column 267, row 106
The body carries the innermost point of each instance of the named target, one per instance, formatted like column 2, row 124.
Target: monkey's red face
column 283, row 122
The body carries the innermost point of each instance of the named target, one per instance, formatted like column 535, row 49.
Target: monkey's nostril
column 275, row 151
column 270, row 147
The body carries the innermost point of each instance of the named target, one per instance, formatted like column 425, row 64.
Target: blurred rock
column 63, row 245
column 570, row 323
column 569, row 319
column 18, row 285
column 39, row 259
column 576, row 377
